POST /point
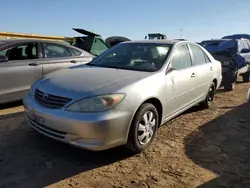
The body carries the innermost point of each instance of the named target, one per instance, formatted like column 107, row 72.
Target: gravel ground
column 200, row 148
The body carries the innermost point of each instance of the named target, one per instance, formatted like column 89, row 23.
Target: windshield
column 134, row 56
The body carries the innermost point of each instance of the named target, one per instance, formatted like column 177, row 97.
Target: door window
column 21, row 52
column 4, row 52
column 182, row 58
column 241, row 46
column 199, row 56
column 55, row 51
column 245, row 44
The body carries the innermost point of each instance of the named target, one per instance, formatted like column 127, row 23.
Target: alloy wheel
column 146, row 128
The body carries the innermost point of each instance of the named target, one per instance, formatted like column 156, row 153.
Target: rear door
column 20, row 71
column 204, row 71
column 57, row 56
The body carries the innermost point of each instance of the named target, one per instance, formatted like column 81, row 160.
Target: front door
column 180, row 81
column 19, row 72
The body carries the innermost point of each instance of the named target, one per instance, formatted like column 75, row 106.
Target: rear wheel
column 207, row 103
column 143, row 128
column 246, row 77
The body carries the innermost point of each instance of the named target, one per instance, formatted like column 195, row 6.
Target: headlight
column 97, row 103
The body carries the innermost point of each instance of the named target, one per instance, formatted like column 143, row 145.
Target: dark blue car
column 234, row 55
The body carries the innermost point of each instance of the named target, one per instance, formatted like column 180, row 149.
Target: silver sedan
column 124, row 95
column 23, row 61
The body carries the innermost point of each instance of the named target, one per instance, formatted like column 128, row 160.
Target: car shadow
column 223, row 147
column 28, row 159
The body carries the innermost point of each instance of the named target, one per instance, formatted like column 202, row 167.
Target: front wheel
column 207, row 103
column 143, row 128
column 229, row 86
column 229, row 79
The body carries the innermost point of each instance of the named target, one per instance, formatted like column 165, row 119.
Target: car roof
column 226, row 39
column 6, row 41
column 157, row 41
column 216, row 40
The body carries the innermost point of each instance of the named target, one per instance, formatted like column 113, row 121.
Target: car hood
column 84, row 81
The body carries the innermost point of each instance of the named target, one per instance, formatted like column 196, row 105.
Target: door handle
column 192, row 75
column 211, row 68
column 34, row 64
column 73, row 61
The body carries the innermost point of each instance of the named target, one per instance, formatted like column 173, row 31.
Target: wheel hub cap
column 146, row 128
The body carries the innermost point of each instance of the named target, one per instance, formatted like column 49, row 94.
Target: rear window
column 210, row 43
column 227, row 44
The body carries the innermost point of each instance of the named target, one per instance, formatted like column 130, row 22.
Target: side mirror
column 169, row 68
column 245, row 50
column 3, row 58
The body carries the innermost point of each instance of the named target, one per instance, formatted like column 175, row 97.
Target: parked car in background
column 23, row 61
column 87, row 41
column 237, row 36
column 123, row 95
column 211, row 42
column 234, row 55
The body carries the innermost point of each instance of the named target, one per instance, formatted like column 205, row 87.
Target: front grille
column 51, row 101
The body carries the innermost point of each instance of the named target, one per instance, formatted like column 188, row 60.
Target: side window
column 241, row 46
column 199, row 55
column 207, row 58
column 55, row 51
column 245, row 43
column 248, row 44
column 21, row 52
column 75, row 51
column 181, row 59
column 4, row 52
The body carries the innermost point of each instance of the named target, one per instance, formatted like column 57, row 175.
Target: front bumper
column 92, row 131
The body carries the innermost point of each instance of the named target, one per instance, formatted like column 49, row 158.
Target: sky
column 195, row 20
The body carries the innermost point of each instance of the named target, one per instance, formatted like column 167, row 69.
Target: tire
column 246, row 77
column 207, row 103
column 136, row 142
column 229, row 79
column 228, row 86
